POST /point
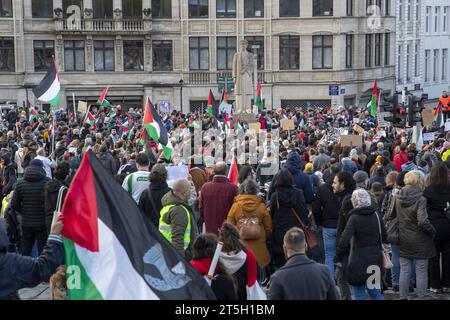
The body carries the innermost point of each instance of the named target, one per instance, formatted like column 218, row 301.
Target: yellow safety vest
column 166, row 229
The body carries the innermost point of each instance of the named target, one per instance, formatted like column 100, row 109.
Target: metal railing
column 128, row 25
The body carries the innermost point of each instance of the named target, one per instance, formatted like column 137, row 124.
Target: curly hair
column 229, row 235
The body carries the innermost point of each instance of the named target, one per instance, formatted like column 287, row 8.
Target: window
column 378, row 49
column 103, row 9
column 387, row 7
column 226, row 48
column 322, row 52
column 42, row 9
column 74, row 55
column 387, row 49
column 408, row 61
column 254, row 8
column 322, row 8
column 435, row 64
column 349, row 8
column 68, row 3
column 428, row 20
column 399, row 65
column 400, row 11
column 226, row 8
column 427, row 65
column 198, row 8
column 199, row 53
column 408, row 12
column 43, row 54
column 369, row 40
column 289, row 8
column 349, row 51
column 132, row 9
column 257, row 41
column 289, row 52
column 7, row 62
column 6, row 8
column 104, row 55
column 416, row 61
column 417, row 10
column 133, row 55
column 445, row 20
column 162, row 8
column 437, row 13
column 162, row 55
column 444, row 64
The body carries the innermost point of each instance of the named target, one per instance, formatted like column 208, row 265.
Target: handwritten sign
column 429, row 136
column 82, row 106
column 288, row 125
column 351, row 141
column 358, row 128
column 428, row 117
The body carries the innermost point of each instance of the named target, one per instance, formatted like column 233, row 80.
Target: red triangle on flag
column 234, row 173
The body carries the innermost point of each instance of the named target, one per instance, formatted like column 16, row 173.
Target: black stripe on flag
column 46, row 83
column 163, row 136
column 119, row 212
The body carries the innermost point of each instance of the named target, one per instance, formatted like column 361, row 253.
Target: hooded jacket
column 436, row 208
column 150, row 201
column 29, row 197
column 363, row 228
column 301, row 179
column 415, row 230
column 249, row 206
column 19, row 272
column 9, row 174
column 178, row 220
column 51, row 198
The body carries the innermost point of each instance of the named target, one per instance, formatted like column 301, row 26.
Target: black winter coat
column 325, row 207
column 29, row 197
column 345, row 206
column 19, row 272
column 108, row 162
column 9, row 178
column 365, row 249
column 283, row 218
column 436, row 204
column 150, row 201
column 51, row 198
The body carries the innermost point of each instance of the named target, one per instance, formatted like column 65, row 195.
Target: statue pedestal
column 243, row 103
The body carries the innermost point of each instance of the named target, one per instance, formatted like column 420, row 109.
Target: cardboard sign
column 351, row 141
column 255, row 126
column 82, row 106
column 288, row 125
column 164, row 106
column 358, row 128
column 428, row 117
column 246, row 117
column 380, row 119
column 429, row 136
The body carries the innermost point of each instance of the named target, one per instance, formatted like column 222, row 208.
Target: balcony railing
column 206, row 77
column 128, row 25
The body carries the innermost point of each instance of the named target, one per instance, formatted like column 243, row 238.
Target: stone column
column 148, row 65
column 89, row 54
column 119, row 54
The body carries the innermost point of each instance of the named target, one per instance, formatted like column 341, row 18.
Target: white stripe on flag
column 52, row 92
column 111, row 271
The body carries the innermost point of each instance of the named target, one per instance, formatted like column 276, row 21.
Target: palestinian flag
column 33, row 115
column 228, row 122
column 234, row 173
column 213, row 108
column 49, row 89
column 372, row 106
column 156, row 129
column 113, row 252
column 258, row 101
column 102, row 99
column 438, row 118
column 223, row 101
column 125, row 127
column 90, row 119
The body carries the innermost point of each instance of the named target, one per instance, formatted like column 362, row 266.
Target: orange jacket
column 445, row 102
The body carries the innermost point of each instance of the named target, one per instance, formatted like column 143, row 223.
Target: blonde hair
column 415, row 179
column 391, row 178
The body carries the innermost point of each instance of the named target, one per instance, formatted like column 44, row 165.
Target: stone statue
column 243, row 67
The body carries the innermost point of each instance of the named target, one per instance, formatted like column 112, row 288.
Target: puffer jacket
column 436, row 204
column 178, row 220
column 29, row 197
column 416, row 232
column 363, row 228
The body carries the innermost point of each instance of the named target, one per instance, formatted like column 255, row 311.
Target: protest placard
column 429, row 136
column 255, row 127
column 447, row 126
column 288, row 125
column 82, row 106
column 351, row 141
column 164, row 106
column 358, row 128
column 427, row 117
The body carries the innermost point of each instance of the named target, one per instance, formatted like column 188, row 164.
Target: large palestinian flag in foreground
column 156, row 129
column 49, row 90
column 112, row 252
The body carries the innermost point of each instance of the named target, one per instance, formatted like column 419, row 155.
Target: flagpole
column 74, row 107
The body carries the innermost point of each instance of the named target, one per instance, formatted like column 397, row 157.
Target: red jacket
column 216, row 199
column 400, row 159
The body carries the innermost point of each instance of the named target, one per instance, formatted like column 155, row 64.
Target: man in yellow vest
column 177, row 222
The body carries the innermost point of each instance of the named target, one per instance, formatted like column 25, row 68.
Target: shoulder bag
column 385, row 259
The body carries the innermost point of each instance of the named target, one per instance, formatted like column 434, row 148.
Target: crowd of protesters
column 387, row 196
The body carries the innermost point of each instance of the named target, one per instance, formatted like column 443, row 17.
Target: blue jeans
column 359, row 293
column 395, row 271
column 329, row 243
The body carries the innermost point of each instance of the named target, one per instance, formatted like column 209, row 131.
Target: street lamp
column 181, row 94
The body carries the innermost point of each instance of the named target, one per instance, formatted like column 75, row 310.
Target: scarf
column 202, row 265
